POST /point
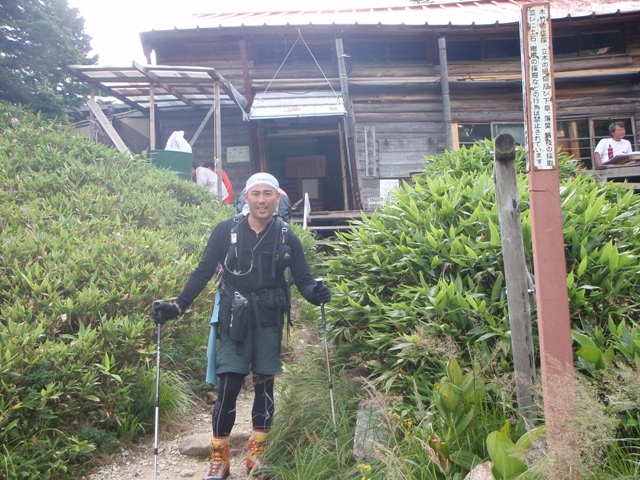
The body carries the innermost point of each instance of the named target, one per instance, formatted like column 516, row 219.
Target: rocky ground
column 182, row 454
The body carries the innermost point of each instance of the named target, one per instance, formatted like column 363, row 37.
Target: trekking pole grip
column 319, row 281
column 155, row 304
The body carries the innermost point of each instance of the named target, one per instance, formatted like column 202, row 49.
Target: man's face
column 262, row 200
column 619, row 133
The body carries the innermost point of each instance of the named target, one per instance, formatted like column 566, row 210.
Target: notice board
column 309, row 166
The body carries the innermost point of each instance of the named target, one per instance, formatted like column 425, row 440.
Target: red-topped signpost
column 552, row 300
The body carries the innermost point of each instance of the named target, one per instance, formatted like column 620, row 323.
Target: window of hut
column 275, row 51
column 516, row 130
column 588, row 44
column 573, row 138
column 579, row 136
column 488, row 49
column 470, row 133
column 408, row 52
column 464, row 50
column 600, row 129
column 367, row 52
column 504, row 49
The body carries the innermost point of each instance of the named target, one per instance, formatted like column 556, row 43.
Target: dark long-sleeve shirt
column 253, row 272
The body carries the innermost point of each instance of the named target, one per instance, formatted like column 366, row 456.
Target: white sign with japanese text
column 537, row 78
column 238, row 154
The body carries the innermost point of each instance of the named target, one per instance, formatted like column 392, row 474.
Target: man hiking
column 254, row 250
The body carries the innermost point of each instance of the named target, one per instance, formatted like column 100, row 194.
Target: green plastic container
column 179, row 162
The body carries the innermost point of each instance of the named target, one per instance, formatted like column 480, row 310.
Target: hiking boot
column 219, row 465
column 257, row 446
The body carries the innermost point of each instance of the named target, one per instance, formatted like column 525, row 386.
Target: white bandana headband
column 262, row 177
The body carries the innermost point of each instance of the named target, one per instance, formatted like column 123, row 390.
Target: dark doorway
column 305, row 155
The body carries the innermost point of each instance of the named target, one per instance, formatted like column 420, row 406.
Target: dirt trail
column 136, row 462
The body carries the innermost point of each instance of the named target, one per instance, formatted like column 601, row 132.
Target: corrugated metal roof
column 438, row 12
column 172, row 86
column 296, row 104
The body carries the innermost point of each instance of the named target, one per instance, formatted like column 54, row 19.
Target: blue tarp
column 211, row 347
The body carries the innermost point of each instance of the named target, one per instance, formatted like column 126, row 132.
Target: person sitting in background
column 608, row 148
column 206, row 177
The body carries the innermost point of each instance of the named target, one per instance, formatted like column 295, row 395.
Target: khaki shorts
column 261, row 353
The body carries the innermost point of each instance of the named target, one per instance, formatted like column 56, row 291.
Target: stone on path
column 480, row 472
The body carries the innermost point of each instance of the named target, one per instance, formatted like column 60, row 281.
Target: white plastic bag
column 177, row 142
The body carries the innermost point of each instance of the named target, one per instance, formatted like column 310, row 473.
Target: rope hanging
column 312, row 56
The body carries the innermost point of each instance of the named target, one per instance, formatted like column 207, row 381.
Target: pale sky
column 115, row 25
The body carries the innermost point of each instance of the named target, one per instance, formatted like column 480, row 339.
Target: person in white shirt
column 206, row 177
column 608, row 148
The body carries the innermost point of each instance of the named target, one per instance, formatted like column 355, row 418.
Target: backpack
column 281, row 255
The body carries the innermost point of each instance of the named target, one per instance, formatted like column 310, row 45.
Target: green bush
column 418, row 287
column 90, row 237
column 422, row 281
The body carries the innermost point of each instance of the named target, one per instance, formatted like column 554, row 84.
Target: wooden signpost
column 552, row 301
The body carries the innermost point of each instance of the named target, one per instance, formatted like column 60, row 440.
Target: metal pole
column 218, row 139
column 157, row 413
column 152, row 117
column 326, row 349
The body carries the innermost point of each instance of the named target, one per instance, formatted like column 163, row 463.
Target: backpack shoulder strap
column 281, row 232
column 284, row 229
column 235, row 225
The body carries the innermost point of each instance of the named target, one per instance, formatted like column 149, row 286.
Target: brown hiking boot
column 219, row 465
column 257, row 446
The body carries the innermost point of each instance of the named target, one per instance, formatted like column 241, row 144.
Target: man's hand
column 164, row 311
column 321, row 294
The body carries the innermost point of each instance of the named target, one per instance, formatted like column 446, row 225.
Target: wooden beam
column 444, row 85
column 254, row 144
column 301, row 133
column 248, row 93
column 350, row 127
column 618, row 171
column 106, row 125
column 165, row 85
column 203, row 123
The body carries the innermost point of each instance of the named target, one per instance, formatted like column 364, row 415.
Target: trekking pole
column 157, row 415
column 326, row 349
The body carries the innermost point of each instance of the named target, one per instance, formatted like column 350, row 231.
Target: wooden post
column 444, row 86
column 516, row 274
column 573, row 135
column 350, row 126
column 554, row 326
column 108, row 128
column 206, row 118
column 254, row 143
